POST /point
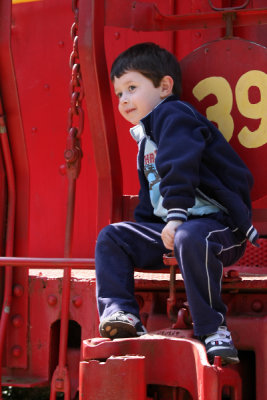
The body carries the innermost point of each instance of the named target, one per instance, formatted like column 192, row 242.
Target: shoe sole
column 225, row 360
column 230, row 360
column 117, row 329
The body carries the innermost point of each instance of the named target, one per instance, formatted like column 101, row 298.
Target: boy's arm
column 180, row 139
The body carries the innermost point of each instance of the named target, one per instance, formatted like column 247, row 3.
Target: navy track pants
column 202, row 247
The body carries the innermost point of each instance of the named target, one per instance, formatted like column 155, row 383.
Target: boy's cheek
column 120, row 109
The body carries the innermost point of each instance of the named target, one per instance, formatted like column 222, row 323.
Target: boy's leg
column 121, row 247
column 202, row 247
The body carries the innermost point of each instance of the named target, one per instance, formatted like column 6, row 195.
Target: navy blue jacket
column 193, row 159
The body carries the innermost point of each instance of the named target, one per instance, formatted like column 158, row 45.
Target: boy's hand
column 168, row 232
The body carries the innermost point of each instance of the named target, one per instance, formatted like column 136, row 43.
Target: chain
column 75, row 126
column 73, row 153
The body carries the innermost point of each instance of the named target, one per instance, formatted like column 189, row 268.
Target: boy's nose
column 124, row 98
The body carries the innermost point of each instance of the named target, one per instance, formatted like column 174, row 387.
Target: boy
column 194, row 200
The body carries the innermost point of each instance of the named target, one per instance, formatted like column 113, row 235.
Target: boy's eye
column 119, row 95
column 131, row 88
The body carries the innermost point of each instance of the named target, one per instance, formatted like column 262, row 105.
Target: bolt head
column 52, row 300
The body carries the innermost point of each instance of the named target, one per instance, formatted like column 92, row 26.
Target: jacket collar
column 146, row 121
column 144, row 128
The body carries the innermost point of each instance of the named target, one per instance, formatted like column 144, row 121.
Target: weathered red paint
column 173, row 362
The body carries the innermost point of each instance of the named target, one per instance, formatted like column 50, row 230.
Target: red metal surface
column 43, row 263
column 45, row 101
column 7, row 299
column 16, row 340
column 9, row 239
column 96, row 87
column 222, row 87
column 164, row 365
column 94, row 376
column 12, row 109
column 255, row 341
column 143, row 16
column 61, row 378
column 43, row 334
column 174, row 375
column 3, row 207
column 236, row 7
column 171, row 301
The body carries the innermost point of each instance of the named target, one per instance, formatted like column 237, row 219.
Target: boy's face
column 137, row 95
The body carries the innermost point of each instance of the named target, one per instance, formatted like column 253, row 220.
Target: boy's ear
column 166, row 85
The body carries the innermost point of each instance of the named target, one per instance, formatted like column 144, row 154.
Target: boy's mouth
column 129, row 110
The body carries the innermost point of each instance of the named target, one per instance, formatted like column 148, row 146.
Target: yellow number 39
column 221, row 111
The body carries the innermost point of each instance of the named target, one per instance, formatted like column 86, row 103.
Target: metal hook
column 228, row 8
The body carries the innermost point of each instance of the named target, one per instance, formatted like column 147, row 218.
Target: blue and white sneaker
column 220, row 344
column 121, row 325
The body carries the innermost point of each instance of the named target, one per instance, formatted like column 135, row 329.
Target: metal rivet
column 16, row 351
column 257, row 306
column 18, row 290
column 77, row 301
column 52, row 300
column 17, row 321
column 232, row 273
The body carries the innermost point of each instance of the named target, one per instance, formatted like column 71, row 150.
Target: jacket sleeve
column 181, row 139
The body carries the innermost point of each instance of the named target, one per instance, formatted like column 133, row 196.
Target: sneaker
column 220, row 344
column 121, row 325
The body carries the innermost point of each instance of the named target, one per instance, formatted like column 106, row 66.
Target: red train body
column 67, row 168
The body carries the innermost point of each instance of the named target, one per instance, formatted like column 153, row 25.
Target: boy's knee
column 185, row 237
column 109, row 232
column 105, row 234
column 182, row 236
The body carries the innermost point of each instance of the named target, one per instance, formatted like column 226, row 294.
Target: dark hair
column 150, row 60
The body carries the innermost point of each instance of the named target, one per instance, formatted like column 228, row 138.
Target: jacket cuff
column 252, row 235
column 177, row 214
